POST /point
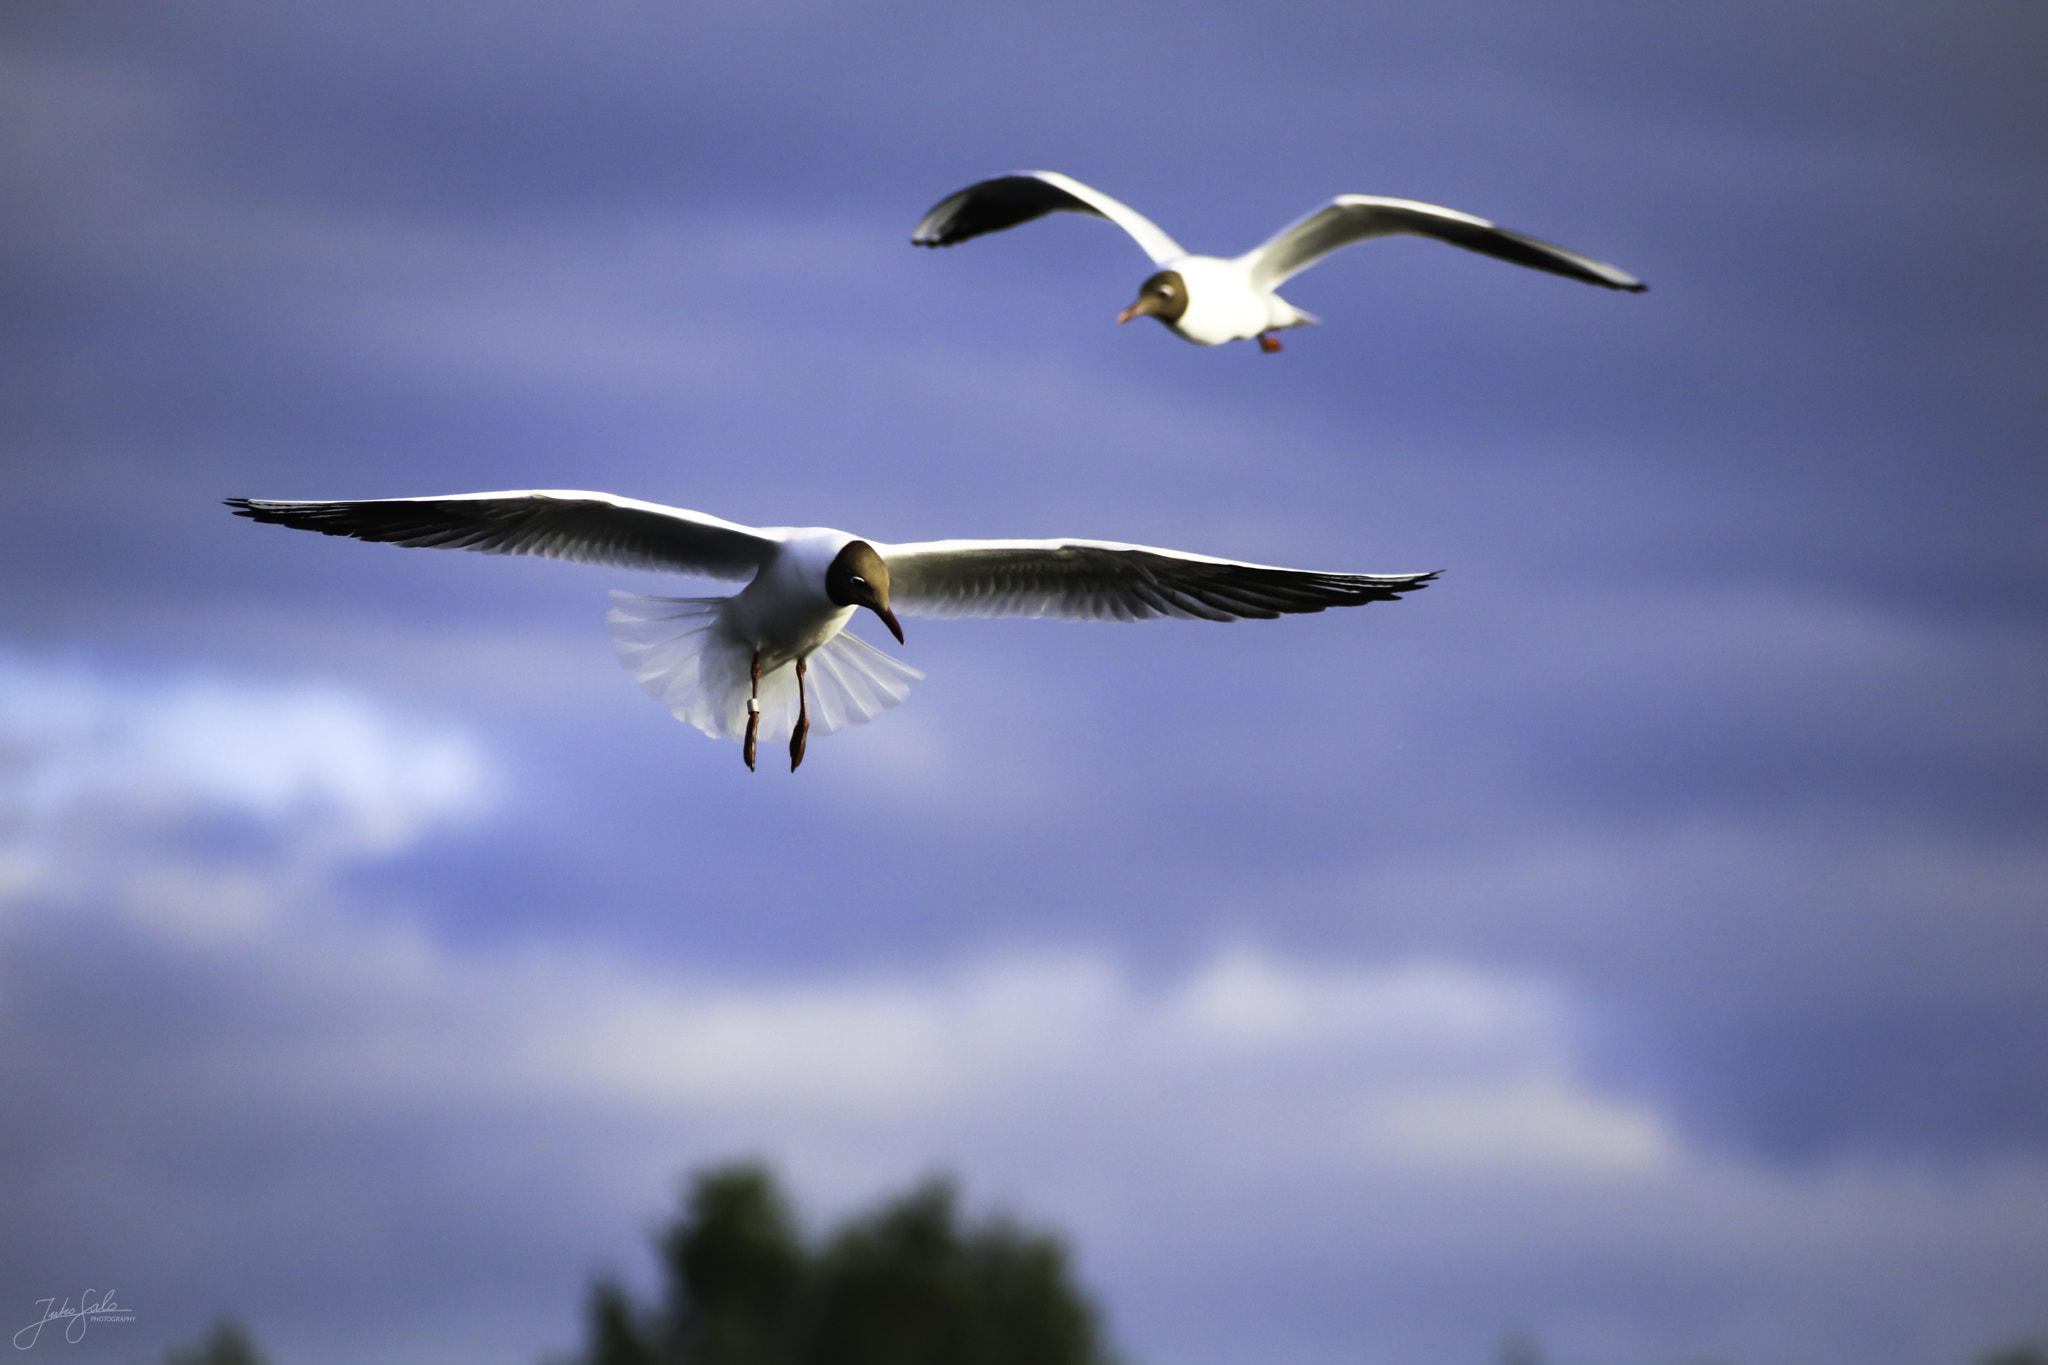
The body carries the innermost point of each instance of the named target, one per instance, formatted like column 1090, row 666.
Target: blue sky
column 1633, row 942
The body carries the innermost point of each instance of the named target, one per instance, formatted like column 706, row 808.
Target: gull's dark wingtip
column 993, row 205
column 304, row 516
column 258, row 509
column 940, row 224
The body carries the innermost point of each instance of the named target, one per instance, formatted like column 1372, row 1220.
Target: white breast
column 1223, row 304
column 785, row 611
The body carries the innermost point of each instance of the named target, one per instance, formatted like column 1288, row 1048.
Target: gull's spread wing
column 591, row 528
column 1354, row 217
column 1096, row 580
column 1008, row 200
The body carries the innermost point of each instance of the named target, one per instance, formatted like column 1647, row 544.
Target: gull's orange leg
column 753, row 715
column 803, row 721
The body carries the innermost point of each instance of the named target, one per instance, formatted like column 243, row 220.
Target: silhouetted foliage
column 907, row 1284
column 736, row 1273
column 226, row 1344
column 2019, row 1353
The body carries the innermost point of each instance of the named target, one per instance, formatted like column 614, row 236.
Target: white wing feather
column 1098, row 580
column 1149, row 236
column 591, row 528
column 1356, row 217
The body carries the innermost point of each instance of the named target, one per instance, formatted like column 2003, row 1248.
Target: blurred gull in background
column 1209, row 300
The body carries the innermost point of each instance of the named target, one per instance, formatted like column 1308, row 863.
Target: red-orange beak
column 889, row 620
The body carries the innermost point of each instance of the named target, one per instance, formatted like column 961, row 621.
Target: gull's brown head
column 1164, row 296
column 859, row 578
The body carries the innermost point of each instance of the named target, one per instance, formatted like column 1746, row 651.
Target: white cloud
column 99, row 774
column 1245, row 1058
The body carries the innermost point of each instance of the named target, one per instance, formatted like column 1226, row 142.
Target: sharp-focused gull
column 722, row 663
column 1209, row 300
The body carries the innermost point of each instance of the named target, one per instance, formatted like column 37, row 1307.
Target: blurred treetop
column 226, row 1344
column 906, row 1284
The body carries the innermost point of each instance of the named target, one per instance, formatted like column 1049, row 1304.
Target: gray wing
column 590, row 528
column 1354, row 217
column 1010, row 200
column 1098, row 580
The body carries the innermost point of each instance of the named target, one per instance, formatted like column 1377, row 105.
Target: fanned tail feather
column 677, row 652
column 851, row 681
